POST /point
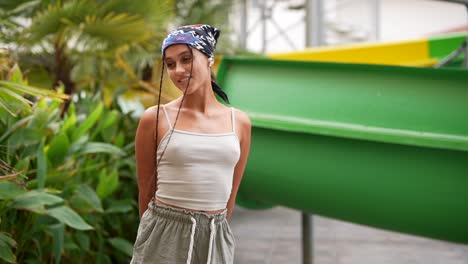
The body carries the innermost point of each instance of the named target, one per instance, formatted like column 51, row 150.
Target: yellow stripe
column 408, row 53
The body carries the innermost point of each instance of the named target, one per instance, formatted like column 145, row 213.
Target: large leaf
column 70, row 119
column 58, row 148
column 57, row 18
column 97, row 147
column 122, row 245
column 86, row 199
column 6, row 243
column 58, row 233
column 26, row 136
column 9, row 190
column 7, row 239
column 34, row 91
column 35, row 201
column 120, row 139
column 41, row 116
column 108, row 120
column 22, row 165
column 117, row 29
column 15, row 75
column 19, row 124
column 83, row 240
column 119, row 206
column 108, row 183
column 69, row 217
column 88, row 123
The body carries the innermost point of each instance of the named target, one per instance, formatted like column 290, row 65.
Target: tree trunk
column 63, row 68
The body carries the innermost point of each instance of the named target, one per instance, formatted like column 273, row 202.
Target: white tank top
column 196, row 170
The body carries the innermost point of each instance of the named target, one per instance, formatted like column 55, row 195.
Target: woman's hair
column 217, row 89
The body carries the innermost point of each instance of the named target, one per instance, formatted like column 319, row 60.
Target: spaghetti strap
column 167, row 116
column 233, row 119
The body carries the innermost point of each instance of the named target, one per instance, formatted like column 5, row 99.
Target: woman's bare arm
column 145, row 149
column 243, row 125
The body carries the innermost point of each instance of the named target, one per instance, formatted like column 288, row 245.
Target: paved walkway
column 274, row 237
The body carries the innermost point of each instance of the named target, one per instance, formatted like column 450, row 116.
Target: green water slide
column 382, row 146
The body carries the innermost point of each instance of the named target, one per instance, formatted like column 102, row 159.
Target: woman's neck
column 201, row 101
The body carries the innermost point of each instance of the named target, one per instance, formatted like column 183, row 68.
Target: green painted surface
column 375, row 145
column 442, row 46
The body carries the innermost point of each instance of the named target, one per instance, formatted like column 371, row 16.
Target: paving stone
column 273, row 236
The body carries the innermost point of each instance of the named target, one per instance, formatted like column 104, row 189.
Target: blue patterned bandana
column 201, row 37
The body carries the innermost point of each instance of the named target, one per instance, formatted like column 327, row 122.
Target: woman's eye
column 186, row 59
column 170, row 65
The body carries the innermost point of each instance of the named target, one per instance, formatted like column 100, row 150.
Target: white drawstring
column 212, row 234
column 192, row 238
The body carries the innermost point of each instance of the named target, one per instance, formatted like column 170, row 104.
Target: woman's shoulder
column 149, row 115
column 242, row 118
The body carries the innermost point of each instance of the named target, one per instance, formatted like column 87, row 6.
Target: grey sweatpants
column 172, row 236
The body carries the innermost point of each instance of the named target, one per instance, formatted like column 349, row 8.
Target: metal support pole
column 264, row 25
column 314, row 24
column 376, row 18
column 243, row 25
column 307, row 239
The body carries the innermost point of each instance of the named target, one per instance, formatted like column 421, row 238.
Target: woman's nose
column 179, row 68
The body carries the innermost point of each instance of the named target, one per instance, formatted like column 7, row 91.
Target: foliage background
column 74, row 78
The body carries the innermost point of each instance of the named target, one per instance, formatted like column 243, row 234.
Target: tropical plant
column 67, row 185
column 13, row 88
column 77, row 42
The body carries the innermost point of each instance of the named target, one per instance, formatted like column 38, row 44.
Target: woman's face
column 178, row 60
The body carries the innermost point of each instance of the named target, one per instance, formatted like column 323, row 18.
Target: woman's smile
column 183, row 79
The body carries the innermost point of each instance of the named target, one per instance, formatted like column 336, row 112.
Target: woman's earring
column 211, row 62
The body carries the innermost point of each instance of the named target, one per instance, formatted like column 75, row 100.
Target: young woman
column 191, row 154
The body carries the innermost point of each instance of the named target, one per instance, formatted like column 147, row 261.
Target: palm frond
column 116, row 29
column 58, row 18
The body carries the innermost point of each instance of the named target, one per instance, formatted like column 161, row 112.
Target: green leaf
column 109, row 119
column 7, row 239
column 9, row 190
column 120, row 139
column 35, row 201
column 40, row 118
column 69, row 244
column 58, row 232
column 109, row 132
column 15, row 75
column 102, row 259
column 6, row 253
column 122, row 245
column 7, row 92
column 34, row 91
column 88, row 199
column 22, row 166
column 88, row 123
column 69, row 217
column 108, row 183
column 70, row 120
column 119, row 206
column 97, row 147
column 17, row 126
column 83, row 240
column 41, row 166
column 58, row 148
column 26, row 136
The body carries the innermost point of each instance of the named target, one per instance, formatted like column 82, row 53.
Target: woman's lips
column 183, row 80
